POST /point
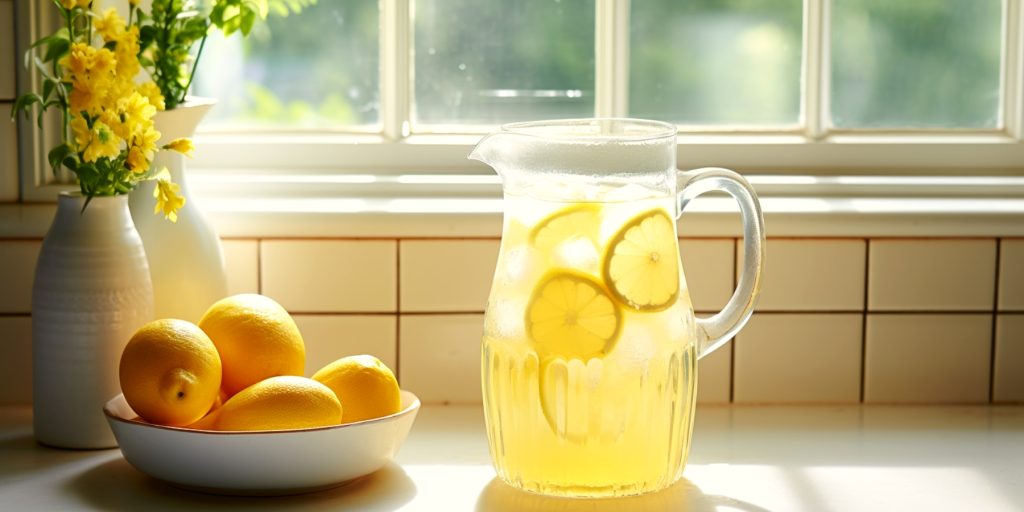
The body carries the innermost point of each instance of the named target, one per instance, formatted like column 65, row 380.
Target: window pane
column 716, row 62
column 494, row 62
column 316, row 69
column 915, row 63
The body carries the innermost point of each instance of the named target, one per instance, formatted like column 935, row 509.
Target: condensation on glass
column 318, row 69
column 716, row 62
column 915, row 64
column 493, row 62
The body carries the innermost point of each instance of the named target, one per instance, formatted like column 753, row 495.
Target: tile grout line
column 732, row 344
column 995, row 320
column 259, row 266
column 864, row 319
column 397, row 309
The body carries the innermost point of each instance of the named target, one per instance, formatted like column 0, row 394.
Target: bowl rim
column 414, row 405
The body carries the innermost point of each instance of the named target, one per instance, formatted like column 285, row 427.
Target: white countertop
column 744, row 459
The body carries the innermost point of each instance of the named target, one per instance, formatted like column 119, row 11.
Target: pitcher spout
column 490, row 151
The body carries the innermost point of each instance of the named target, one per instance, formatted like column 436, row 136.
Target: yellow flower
column 92, row 76
column 68, row 4
column 84, row 99
column 80, row 129
column 103, row 142
column 137, row 161
column 152, row 92
column 112, row 119
column 109, row 25
column 104, row 62
column 183, row 146
column 127, row 54
column 79, row 59
column 135, row 3
column 168, row 197
column 136, row 112
column 84, row 3
column 146, row 141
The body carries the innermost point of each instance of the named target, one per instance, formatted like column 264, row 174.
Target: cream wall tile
column 15, row 360
column 928, row 358
column 7, row 57
column 439, row 275
column 714, row 376
column 330, row 275
column 1011, row 275
column 923, row 275
column 811, row 275
column 786, row 357
column 440, row 357
column 708, row 267
column 1008, row 381
column 330, row 337
column 17, row 270
column 241, row 259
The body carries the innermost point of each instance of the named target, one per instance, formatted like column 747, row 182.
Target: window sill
column 254, row 205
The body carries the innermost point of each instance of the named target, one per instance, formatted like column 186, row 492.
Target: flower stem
column 195, row 65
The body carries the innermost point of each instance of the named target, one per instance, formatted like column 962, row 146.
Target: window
column 315, row 70
column 716, row 63
column 923, row 64
column 775, row 86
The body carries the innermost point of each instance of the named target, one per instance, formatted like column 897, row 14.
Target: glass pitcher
column 590, row 342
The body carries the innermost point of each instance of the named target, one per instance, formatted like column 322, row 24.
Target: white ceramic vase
column 91, row 293
column 186, row 262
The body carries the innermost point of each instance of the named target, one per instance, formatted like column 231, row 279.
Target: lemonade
column 589, row 361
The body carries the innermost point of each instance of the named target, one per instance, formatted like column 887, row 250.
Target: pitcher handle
column 714, row 331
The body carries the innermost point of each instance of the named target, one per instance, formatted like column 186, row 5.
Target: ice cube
column 579, row 254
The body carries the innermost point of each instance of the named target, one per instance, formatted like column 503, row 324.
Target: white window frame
column 812, row 148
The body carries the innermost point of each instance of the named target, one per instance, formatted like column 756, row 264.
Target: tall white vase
column 186, row 261
column 91, row 293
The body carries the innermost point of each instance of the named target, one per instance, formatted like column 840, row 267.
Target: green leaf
column 48, row 86
column 248, row 19
column 56, row 49
column 45, row 40
column 71, row 162
column 57, row 155
column 41, row 67
column 147, row 34
column 24, row 103
column 260, row 7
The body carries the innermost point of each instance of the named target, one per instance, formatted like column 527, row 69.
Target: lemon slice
column 581, row 220
column 641, row 265
column 571, row 316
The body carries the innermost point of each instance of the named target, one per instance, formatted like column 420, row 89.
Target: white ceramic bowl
column 260, row 463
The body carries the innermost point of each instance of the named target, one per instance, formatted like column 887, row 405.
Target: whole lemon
column 170, row 372
column 278, row 403
column 256, row 338
column 365, row 386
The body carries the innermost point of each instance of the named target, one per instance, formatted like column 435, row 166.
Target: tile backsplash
column 839, row 320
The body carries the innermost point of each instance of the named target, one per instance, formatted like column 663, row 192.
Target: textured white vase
column 186, row 261
column 91, row 293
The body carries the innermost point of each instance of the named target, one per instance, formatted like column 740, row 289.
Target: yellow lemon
column 170, row 372
column 579, row 221
column 256, row 338
column 365, row 386
column 641, row 265
column 278, row 403
column 571, row 316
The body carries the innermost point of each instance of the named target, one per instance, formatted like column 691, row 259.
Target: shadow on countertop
column 683, row 496
column 117, row 486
